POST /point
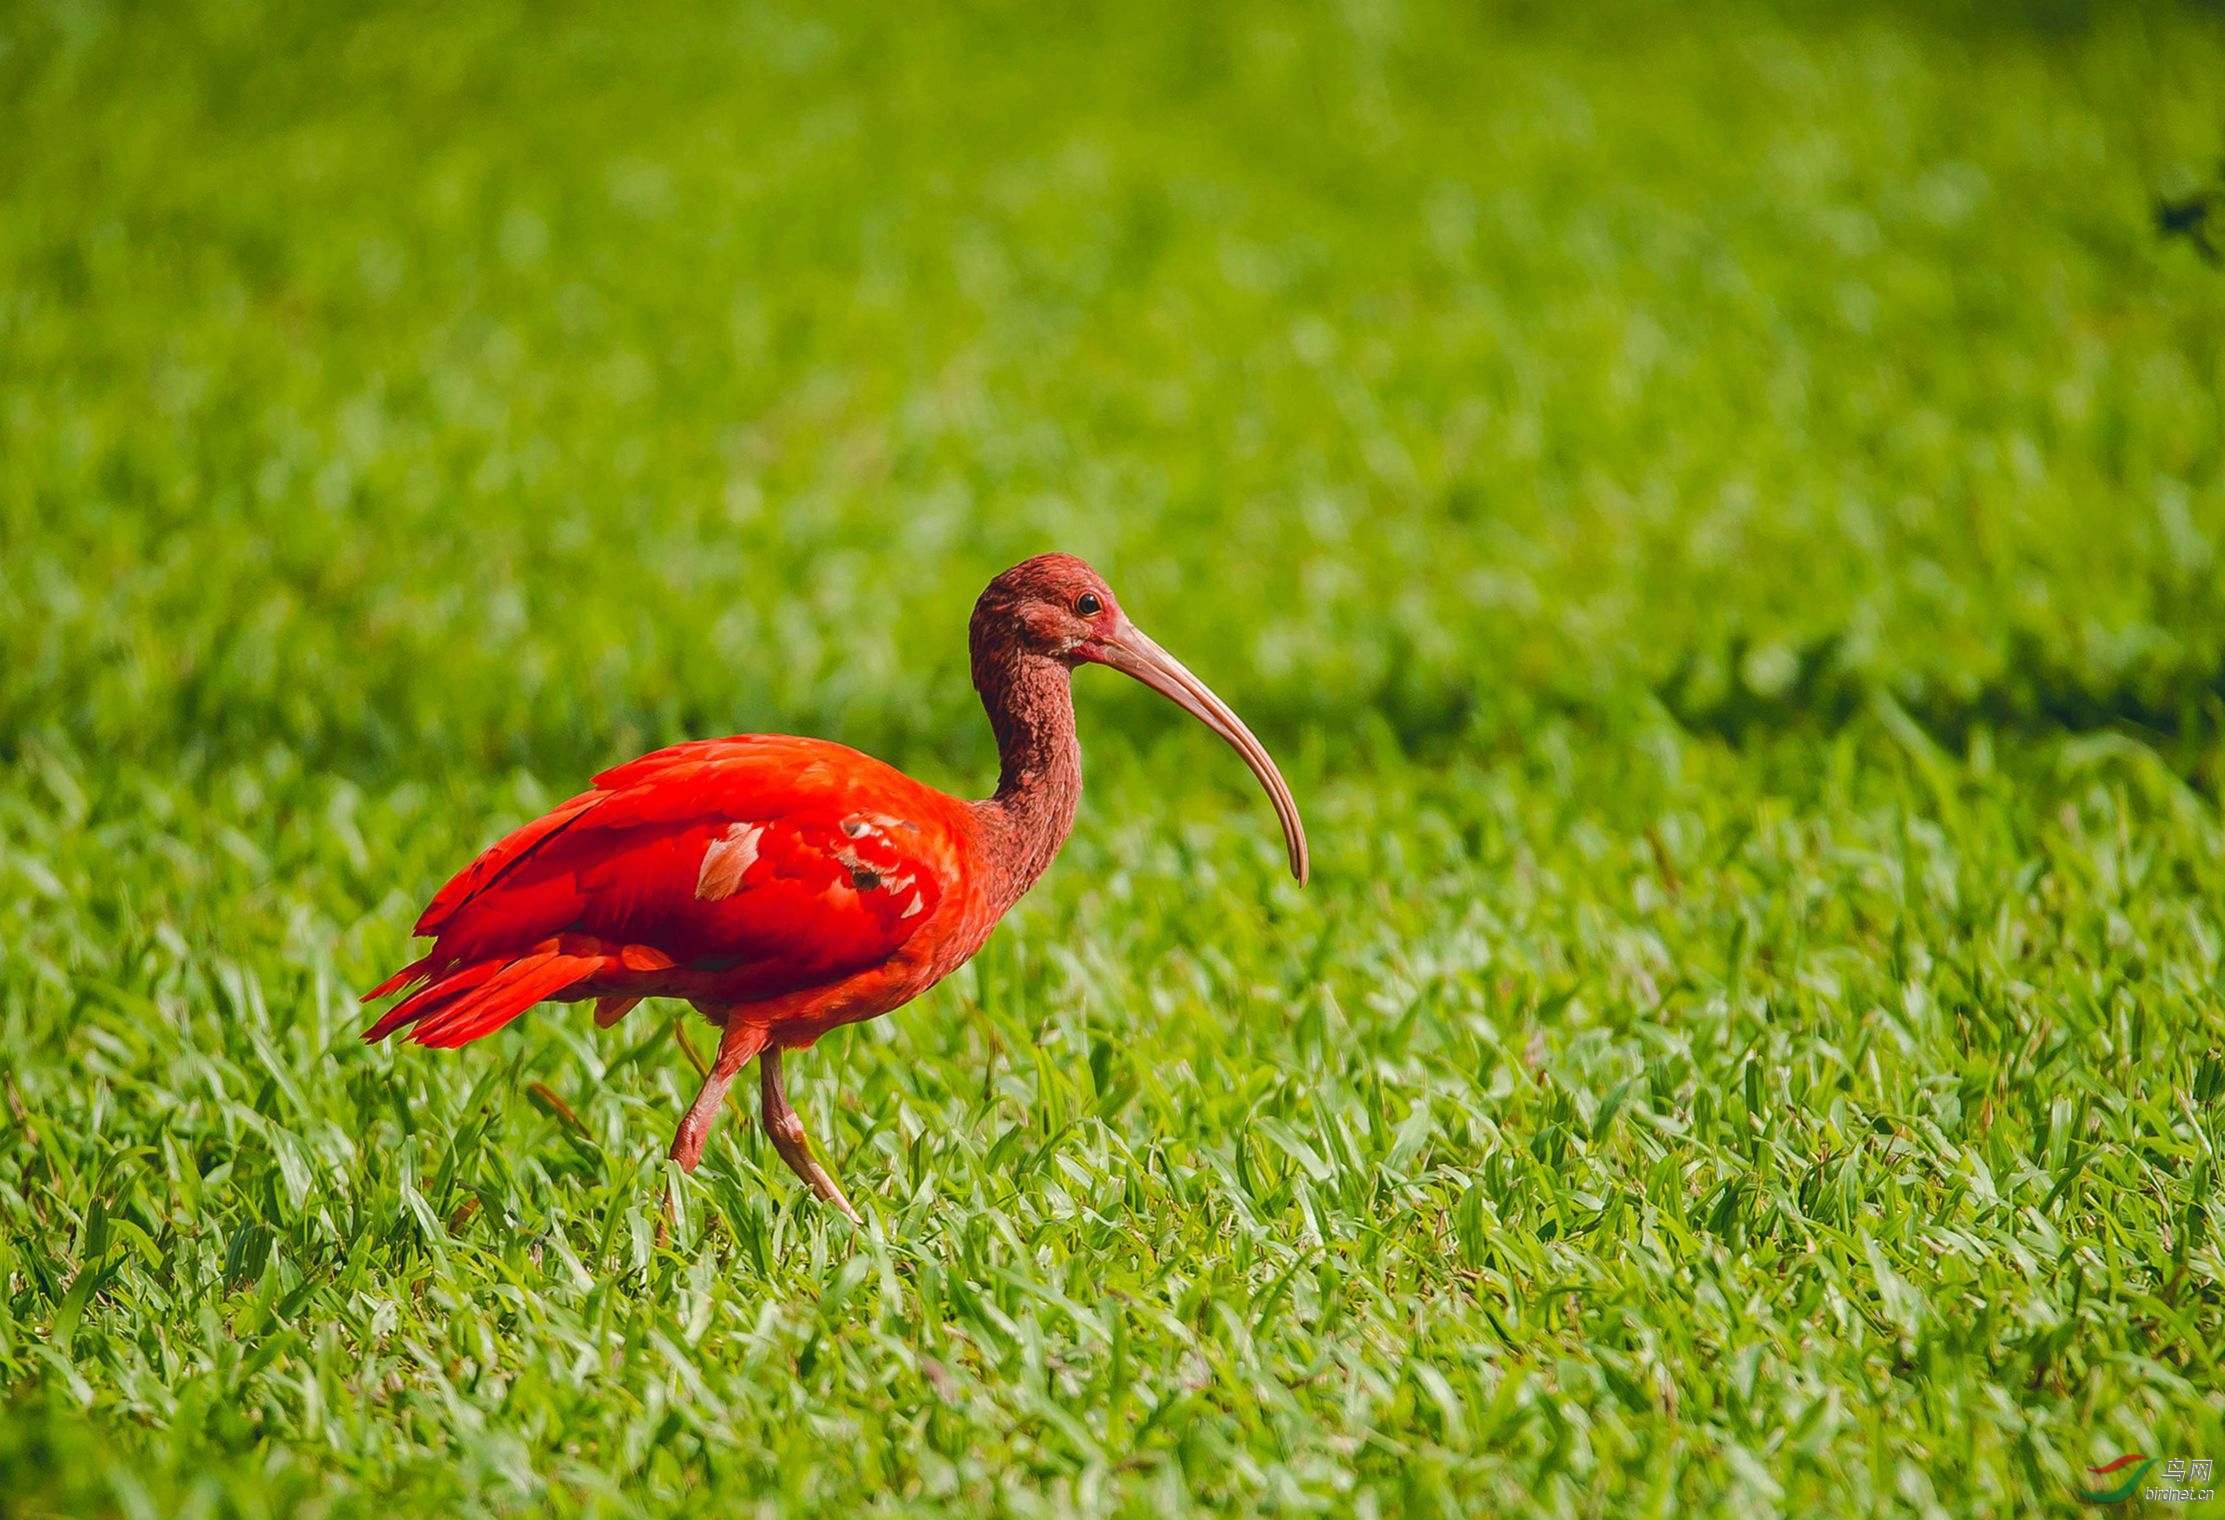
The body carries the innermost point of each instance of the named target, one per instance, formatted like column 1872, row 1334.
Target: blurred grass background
column 1718, row 512
column 1495, row 363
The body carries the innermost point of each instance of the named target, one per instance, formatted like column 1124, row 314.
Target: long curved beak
column 1129, row 651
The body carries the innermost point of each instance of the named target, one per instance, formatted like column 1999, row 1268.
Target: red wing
column 780, row 863
column 673, row 781
column 483, row 872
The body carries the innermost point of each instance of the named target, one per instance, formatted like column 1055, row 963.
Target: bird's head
column 1048, row 606
column 1054, row 607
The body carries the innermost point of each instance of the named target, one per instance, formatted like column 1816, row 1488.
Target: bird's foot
column 823, row 1183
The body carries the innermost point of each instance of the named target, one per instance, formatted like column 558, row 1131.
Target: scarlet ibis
column 785, row 886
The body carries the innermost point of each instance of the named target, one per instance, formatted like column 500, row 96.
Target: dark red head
column 1056, row 608
column 1051, row 605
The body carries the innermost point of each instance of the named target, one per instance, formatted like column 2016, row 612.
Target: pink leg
column 785, row 1129
column 735, row 1047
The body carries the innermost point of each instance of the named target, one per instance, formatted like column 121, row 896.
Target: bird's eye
column 1087, row 604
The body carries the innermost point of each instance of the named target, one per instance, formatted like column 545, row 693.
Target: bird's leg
column 735, row 1046
column 785, row 1130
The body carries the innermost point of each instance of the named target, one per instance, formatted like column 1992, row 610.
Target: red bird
column 785, row 886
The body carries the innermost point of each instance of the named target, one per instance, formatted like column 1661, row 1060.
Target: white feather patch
column 731, row 854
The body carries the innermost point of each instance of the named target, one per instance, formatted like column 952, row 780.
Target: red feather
column 732, row 871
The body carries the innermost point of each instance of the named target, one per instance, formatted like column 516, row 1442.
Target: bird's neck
column 1030, row 701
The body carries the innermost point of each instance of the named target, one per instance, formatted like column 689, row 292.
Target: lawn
column 1719, row 515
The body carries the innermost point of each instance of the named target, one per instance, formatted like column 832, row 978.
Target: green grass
column 1720, row 518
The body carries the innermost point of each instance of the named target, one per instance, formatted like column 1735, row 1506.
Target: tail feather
column 460, row 1000
column 478, row 1000
column 399, row 979
column 506, row 995
column 441, row 989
